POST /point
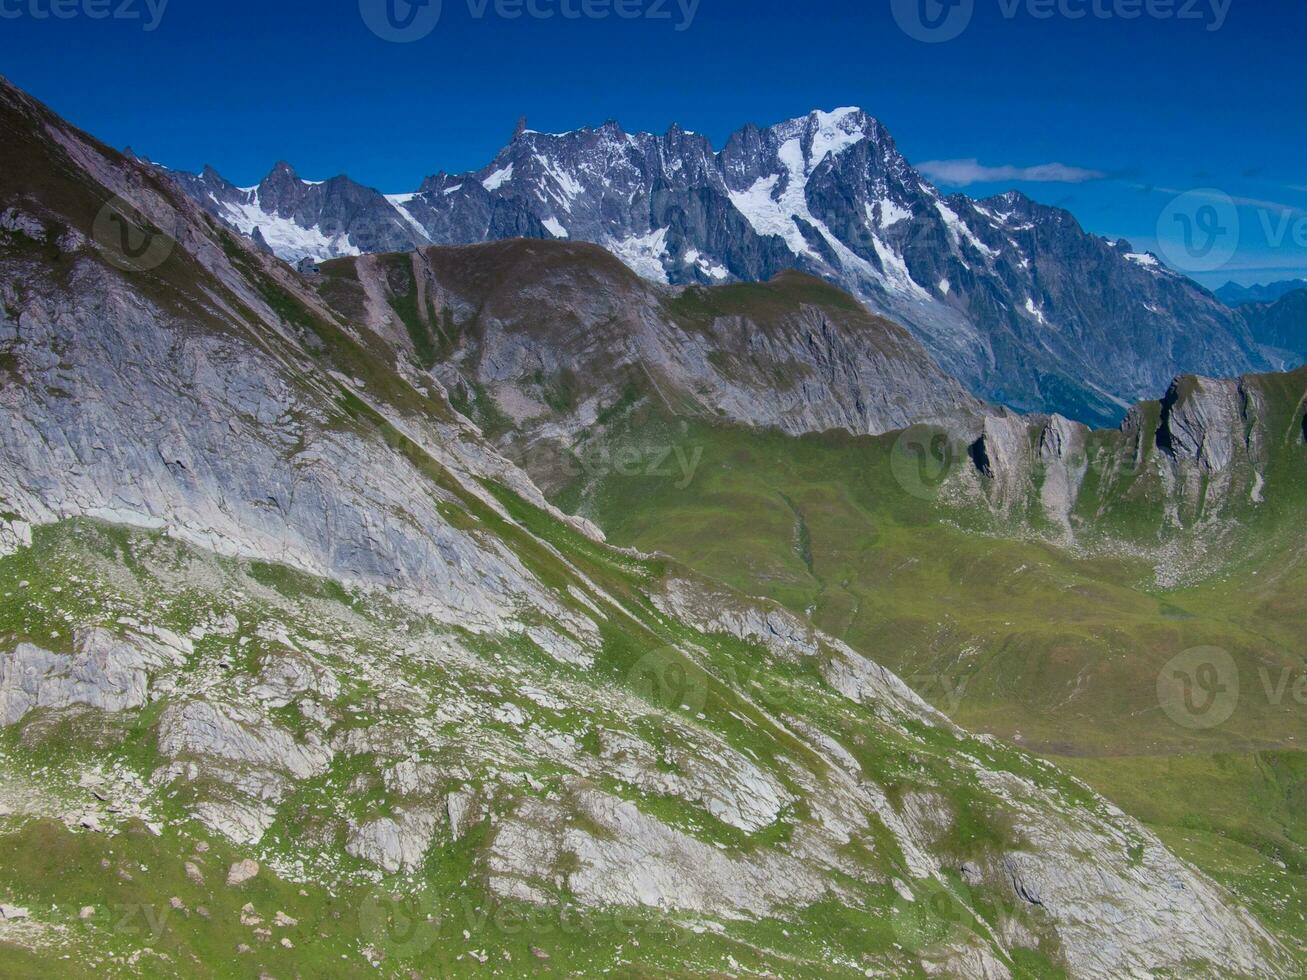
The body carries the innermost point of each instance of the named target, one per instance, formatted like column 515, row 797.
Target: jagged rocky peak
column 282, row 189
column 1014, row 204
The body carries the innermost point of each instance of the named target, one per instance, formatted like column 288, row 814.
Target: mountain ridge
column 1011, row 297
column 1233, row 294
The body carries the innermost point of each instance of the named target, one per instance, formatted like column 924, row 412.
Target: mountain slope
column 548, row 343
column 1011, row 297
column 268, row 597
column 1046, row 584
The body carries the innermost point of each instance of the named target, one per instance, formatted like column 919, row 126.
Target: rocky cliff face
column 268, row 597
column 1010, row 296
column 1195, row 466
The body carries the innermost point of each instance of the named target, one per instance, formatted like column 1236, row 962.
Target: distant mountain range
column 1010, row 296
column 1232, row 294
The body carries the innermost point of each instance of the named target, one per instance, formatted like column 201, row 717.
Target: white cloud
column 963, row 173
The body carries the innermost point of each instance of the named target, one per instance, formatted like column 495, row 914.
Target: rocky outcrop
column 557, row 334
column 394, row 844
column 628, row 858
column 243, row 736
column 1202, row 461
column 1106, row 927
column 106, row 671
column 1203, row 421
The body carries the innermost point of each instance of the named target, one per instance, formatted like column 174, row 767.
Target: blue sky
column 1186, row 95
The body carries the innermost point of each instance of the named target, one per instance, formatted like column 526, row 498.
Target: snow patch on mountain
column 890, row 213
column 767, row 214
column 286, row 237
column 568, row 186
column 695, row 259
column 836, row 132
column 960, row 232
column 498, row 179
column 400, row 201
column 644, row 254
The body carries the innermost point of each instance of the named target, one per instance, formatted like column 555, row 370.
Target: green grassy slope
column 1058, row 650
column 441, row 919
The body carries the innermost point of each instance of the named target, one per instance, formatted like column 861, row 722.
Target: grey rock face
column 241, row 872
column 396, row 843
column 243, row 736
column 1202, row 422
column 637, row 860
column 223, row 451
column 1102, row 939
column 104, row 671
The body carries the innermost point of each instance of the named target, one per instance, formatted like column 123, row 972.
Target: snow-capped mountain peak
column 1010, row 295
